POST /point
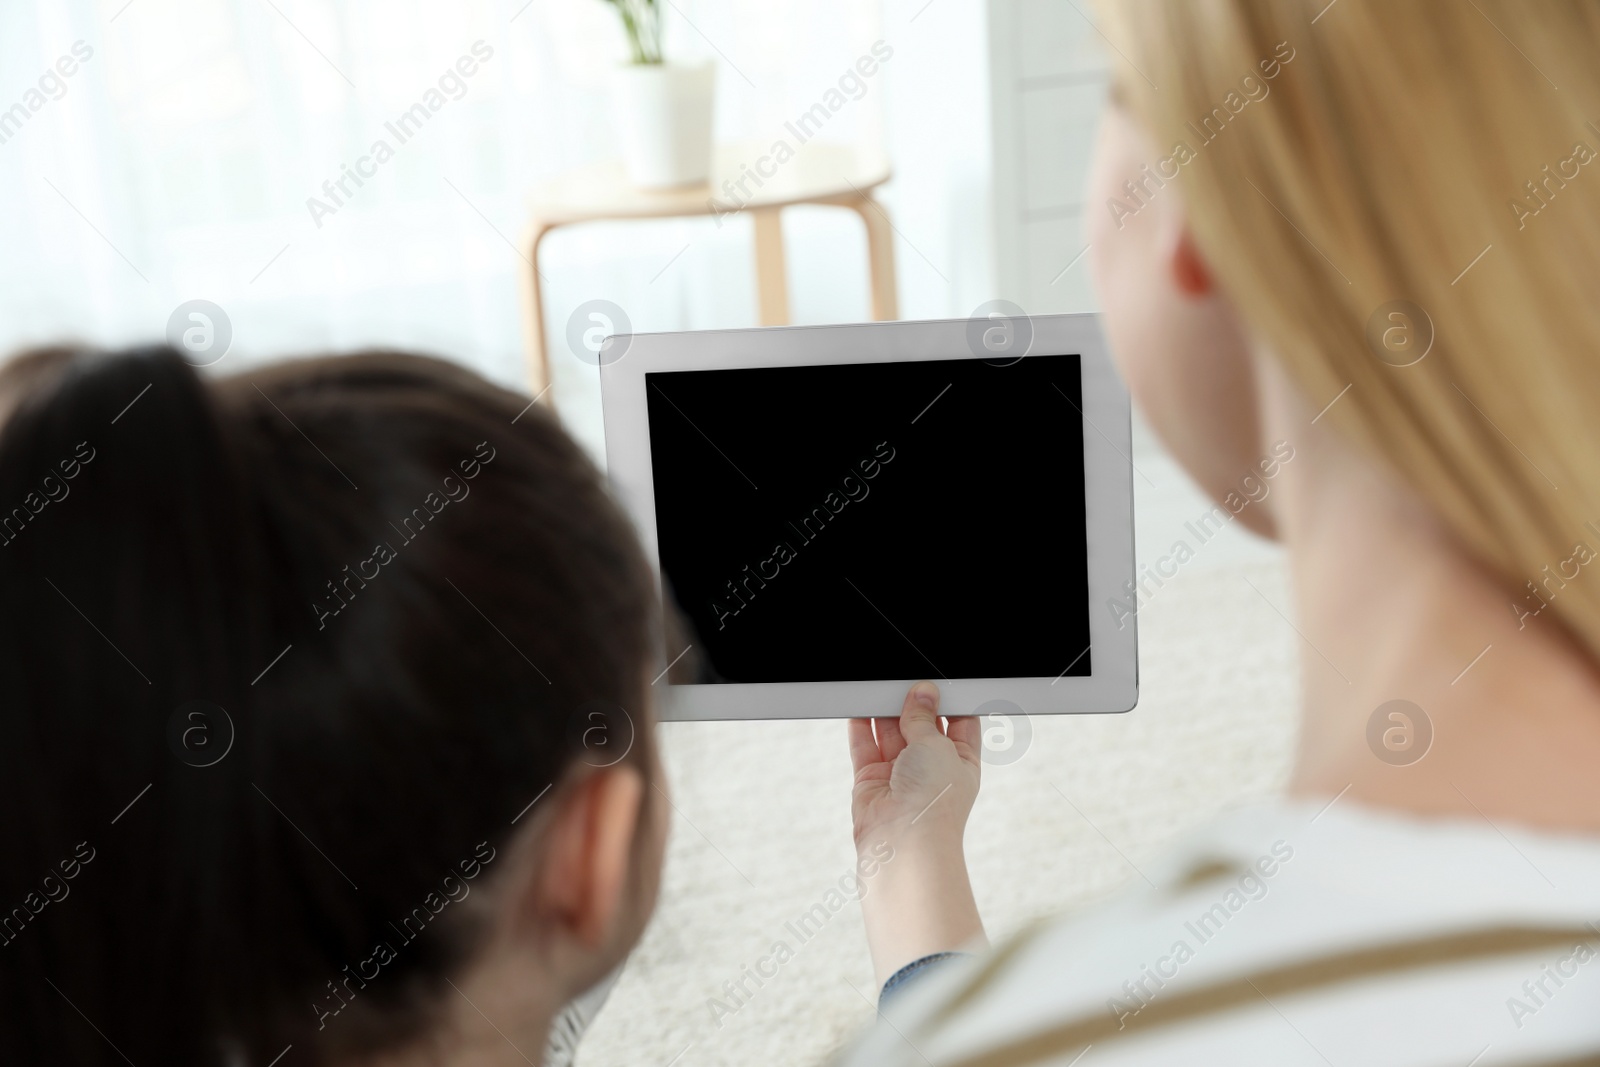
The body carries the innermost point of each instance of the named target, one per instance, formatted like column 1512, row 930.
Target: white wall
column 1049, row 82
column 178, row 163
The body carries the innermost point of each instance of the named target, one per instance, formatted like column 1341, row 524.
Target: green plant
column 642, row 20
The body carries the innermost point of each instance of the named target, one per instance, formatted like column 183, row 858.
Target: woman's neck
column 1391, row 607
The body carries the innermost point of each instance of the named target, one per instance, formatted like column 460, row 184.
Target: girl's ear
column 589, row 849
column 1190, row 273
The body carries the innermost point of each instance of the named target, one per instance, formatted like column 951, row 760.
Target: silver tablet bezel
column 1113, row 686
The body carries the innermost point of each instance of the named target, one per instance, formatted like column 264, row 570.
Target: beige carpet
column 762, row 828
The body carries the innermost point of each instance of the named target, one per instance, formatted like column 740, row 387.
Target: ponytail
column 228, row 808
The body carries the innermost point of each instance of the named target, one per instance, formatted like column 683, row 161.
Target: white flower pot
column 662, row 115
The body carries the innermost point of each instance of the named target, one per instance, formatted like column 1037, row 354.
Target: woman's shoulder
column 1295, row 932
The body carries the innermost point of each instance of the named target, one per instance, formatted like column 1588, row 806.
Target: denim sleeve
column 901, row 978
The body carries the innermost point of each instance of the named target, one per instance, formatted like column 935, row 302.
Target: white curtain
column 171, row 155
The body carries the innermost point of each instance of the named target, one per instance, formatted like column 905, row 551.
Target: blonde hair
column 1389, row 153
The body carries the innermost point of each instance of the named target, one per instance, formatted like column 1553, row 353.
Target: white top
column 816, row 172
column 1286, row 935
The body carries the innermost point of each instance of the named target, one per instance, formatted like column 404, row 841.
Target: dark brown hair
column 380, row 595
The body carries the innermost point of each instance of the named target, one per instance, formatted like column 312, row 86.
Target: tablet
column 840, row 511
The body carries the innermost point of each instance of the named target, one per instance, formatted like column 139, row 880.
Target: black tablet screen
column 875, row 520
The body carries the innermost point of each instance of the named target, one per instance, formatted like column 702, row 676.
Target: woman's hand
column 915, row 784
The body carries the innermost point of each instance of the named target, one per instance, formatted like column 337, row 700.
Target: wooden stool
column 818, row 173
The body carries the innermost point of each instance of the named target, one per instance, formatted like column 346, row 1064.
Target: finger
column 967, row 730
column 890, row 739
column 919, row 715
column 863, row 746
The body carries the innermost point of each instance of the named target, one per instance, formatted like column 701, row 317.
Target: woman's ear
column 581, row 885
column 1190, row 273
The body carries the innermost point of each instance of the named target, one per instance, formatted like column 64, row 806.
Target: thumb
column 919, row 715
